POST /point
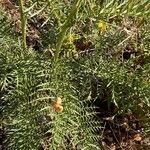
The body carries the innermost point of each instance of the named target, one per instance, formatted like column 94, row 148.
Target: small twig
column 23, row 23
column 115, row 137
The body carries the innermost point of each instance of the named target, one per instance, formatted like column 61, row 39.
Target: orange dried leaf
column 59, row 108
column 57, row 104
column 137, row 137
column 58, row 100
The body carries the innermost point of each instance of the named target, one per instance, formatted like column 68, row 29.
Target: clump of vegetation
column 74, row 74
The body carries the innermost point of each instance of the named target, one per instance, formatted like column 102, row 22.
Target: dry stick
column 23, row 23
column 69, row 22
column 115, row 136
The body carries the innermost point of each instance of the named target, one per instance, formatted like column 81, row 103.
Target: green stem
column 23, row 23
column 69, row 22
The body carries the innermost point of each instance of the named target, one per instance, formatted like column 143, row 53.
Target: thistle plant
column 49, row 103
